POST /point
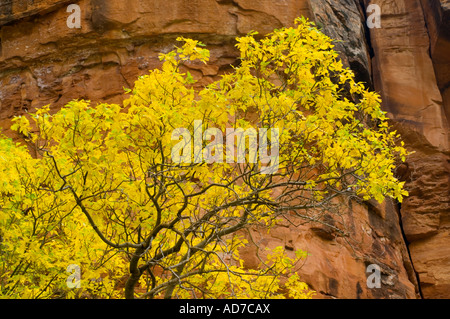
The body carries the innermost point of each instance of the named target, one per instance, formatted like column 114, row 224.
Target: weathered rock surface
column 12, row 10
column 426, row 213
column 404, row 73
column 437, row 17
column 414, row 87
column 344, row 21
column 42, row 62
column 341, row 249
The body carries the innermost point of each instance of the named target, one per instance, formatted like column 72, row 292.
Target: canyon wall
column 411, row 70
column 407, row 60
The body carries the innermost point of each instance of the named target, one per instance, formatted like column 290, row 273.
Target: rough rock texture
column 344, row 21
column 42, row 61
column 437, row 17
column 411, row 70
column 337, row 263
column 11, row 10
column 404, row 73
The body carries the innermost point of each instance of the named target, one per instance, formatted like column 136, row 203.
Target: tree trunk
column 135, row 274
column 131, row 283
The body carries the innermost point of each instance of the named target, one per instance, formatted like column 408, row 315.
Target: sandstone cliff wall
column 42, row 61
column 411, row 70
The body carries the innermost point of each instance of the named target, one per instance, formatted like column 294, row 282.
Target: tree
column 125, row 192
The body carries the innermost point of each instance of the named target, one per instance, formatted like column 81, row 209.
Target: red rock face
column 437, row 17
column 411, row 70
column 404, row 72
column 337, row 262
column 11, row 10
column 42, row 61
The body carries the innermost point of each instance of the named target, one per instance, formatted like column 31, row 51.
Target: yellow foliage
column 106, row 196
